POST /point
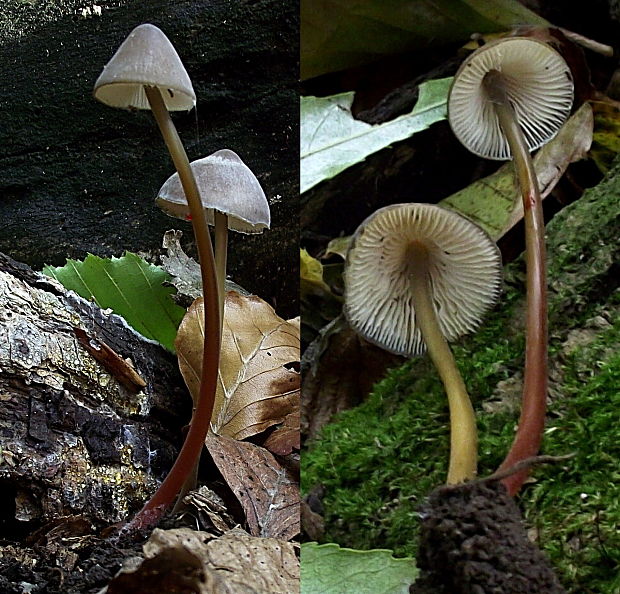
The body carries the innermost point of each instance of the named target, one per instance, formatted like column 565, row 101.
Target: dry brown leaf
column 285, row 438
column 331, row 386
column 266, row 490
column 184, row 560
column 258, row 381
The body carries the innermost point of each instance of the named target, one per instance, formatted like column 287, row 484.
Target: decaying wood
column 75, row 436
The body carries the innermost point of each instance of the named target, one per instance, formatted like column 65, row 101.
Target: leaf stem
column 532, row 420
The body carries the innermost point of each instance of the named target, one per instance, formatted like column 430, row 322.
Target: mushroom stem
column 463, row 431
column 199, row 426
column 221, row 241
column 532, row 420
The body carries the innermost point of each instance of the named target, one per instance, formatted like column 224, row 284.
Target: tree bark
column 80, row 432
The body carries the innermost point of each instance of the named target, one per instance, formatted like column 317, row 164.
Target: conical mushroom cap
column 464, row 266
column 539, row 86
column 146, row 57
column 225, row 184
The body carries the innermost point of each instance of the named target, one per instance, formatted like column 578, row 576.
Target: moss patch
column 379, row 460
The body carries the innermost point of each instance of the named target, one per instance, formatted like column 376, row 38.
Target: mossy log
column 378, row 462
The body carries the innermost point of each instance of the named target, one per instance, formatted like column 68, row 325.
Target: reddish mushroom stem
column 532, row 420
column 199, row 426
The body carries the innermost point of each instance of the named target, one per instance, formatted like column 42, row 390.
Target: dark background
column 77, row 176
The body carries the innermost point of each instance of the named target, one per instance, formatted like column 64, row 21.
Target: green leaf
column 131, row 287
column 494, row 202
column 329, row 569
column 332, row 140
column 339, row 34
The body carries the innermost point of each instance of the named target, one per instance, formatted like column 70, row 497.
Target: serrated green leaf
column 329, row 569
column 131, row 287
column 332, row 140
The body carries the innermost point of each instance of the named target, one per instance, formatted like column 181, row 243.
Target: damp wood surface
column 77, row 176
column 76, row 437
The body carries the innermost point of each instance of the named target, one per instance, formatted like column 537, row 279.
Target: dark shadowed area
column 77, row 176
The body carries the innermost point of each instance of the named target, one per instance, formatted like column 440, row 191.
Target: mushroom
column 147, row 73
column 417, row 276
column 507, row 99
column 231, row 197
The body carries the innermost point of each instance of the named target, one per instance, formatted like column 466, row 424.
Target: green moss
column 378, row 461
column 576, row 508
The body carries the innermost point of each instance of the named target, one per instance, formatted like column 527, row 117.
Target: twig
column 595, row 46
column 523, row 464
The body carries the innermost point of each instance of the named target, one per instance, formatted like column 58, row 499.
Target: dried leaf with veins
column 287, row 437
column 258, row 383
column 184, row 560
column 267, row 491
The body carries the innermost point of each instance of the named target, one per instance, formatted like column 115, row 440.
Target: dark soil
column 473, row 542
column 98, row 561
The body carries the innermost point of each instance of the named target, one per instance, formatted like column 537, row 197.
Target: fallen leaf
column 130, row 286
column 329, row 568
column 337, row 35
column 285, row 438
column 494, row 202
column 265, row 489
column 185, row 271
column 258, row 383
column 332, row 139
column 339, row 246
column 184, row 560
column 210, row 510
column 319, row 303
column 329, row 386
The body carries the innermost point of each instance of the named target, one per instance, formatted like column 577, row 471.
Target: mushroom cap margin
column 225, row 184
column 146, row 57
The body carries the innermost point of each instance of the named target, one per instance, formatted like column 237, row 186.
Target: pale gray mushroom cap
column 146, row 57
column 464, row 269
column 539, row 86
column 225, row 184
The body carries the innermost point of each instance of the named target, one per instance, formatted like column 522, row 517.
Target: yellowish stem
column 463, row 432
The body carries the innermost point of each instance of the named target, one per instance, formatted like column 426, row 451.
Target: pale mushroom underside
column 539, row 86
column 464, row 266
